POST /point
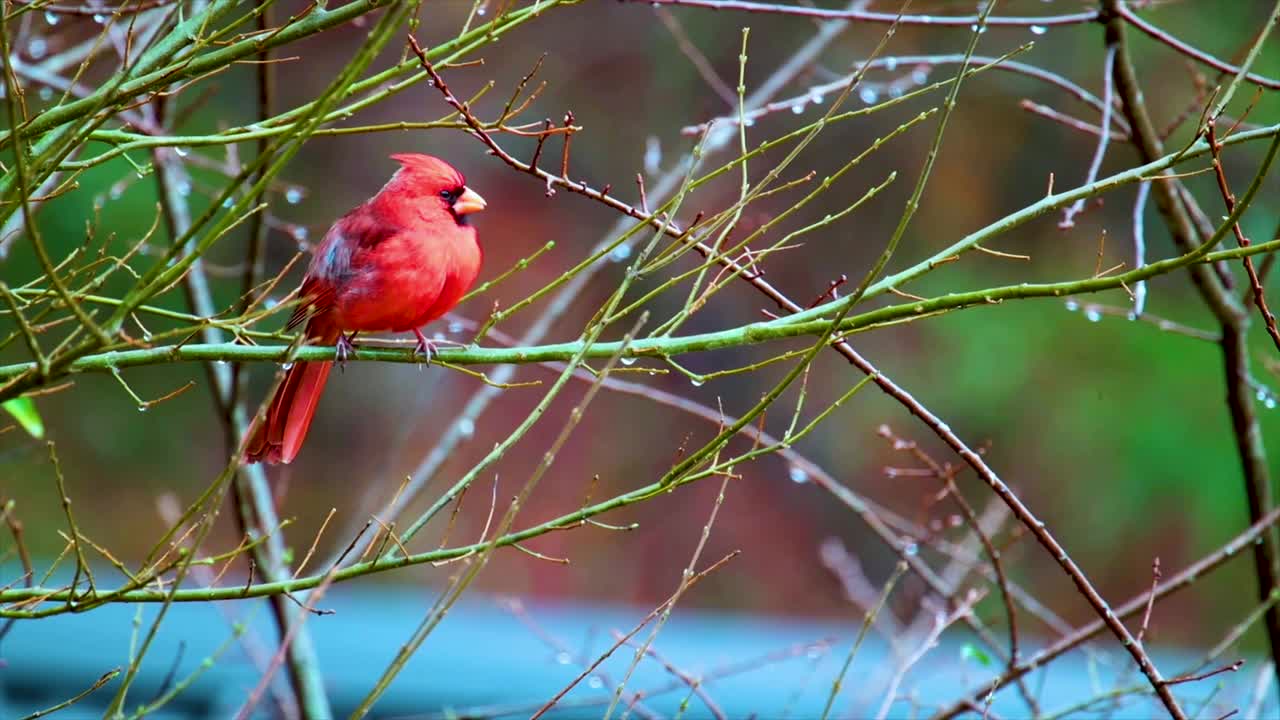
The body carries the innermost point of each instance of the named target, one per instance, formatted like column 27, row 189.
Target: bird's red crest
column 430, row 171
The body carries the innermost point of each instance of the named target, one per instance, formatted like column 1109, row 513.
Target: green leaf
column 973, row 653
column 23, row 410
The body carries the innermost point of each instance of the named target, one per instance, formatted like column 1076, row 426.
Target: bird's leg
column 345, row 347
column 425, row 347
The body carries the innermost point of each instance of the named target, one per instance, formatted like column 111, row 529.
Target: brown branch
column 1180, row 581
column 1193, row 678
column 1229, row 199
column 1176, row 207
column 886, row 18
column 947, row 477
column 1122, row 10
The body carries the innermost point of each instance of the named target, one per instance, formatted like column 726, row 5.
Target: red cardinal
column 400, row 260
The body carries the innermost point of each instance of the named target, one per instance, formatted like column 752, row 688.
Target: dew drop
column 1092, row 315
column 50, row 17
column 455, row 327
column 482, row 10
column 299, row 232
column 749, row 122
column 180, row 151
column 919, row 77
column 895, row 91
column 219, row 362
column 1261, row 395
column 228, row 202
column 563, row 658
column 595, row 682
column 891, row 63
column 797, row 108
column 697, row 381
column 1038, row 29
column 1072, row 306
column 293, row 195
column 46, row 94
column 817, row 98
column 868, row 96
column 146, row 337
column 37, row 48
column 143, row 408
column 627, row 360
column 911, row 550
column 620, row 253
column 286, row 366
column 798, row 475
column 466, row 427
column 1269, row 403
column 100, row 18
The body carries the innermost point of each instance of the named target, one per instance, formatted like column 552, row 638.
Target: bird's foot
column 345, row 347
column 426, row 349
column 430, row 348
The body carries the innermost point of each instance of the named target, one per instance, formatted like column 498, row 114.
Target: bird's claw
column 425, row 348
column 343, row 350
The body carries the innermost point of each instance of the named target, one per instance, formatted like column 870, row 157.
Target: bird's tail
column 277, row 436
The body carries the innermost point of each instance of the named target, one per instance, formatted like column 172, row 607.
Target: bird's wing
column 347, row 250
column 315, row 296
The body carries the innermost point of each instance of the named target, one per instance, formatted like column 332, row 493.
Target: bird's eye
column 449, row 196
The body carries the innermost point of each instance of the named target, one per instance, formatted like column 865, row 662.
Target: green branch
column 660, row 347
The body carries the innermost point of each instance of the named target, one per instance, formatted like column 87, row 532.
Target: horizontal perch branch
column 752, row 334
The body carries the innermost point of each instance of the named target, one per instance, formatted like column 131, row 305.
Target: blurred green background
column 1113, row 431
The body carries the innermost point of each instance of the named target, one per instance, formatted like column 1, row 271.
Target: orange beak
column 468, row 202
